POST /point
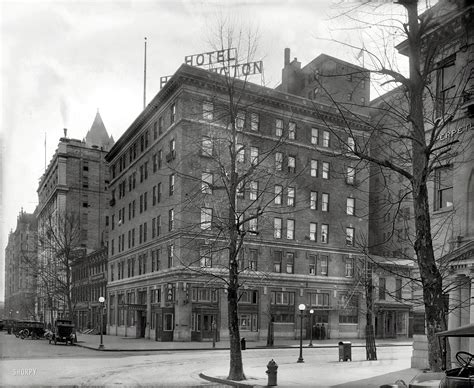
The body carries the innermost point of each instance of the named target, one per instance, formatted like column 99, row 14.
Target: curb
column 147, row 350
column 224, row 381
column 105, row 349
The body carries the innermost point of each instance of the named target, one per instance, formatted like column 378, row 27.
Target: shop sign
column 450, row 134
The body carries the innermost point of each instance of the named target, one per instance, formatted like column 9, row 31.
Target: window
column 253, row 194
column 254, row 121
column 312, row 231
column 253, row 224
column 313, row 200
column 277, row 256
column 254, row 155
column 206, row 182
column 248, row 322
column 278, row 127
column 170, row 255
column 172, row 113
column 170, row 219
column 160, row 125
column 350, row 144
column 172, row 148
column 350, row 175
column 312, row 264
column 206, row 218
column 443, row 188
column 253, row 259
column 314, row 136
column 324, row 233
column 314, row 168
column 325, row 174
column 350, row 236
column 277, row 227
column 278, row 194
column 240, row 189
column 291, row 196
column 171, row 181
column 205, row 260
column 445, row 86
column 207, row 110
column 160, row 158
column 240, row 153
column 398, row 289
column 158, row 192
column 319, row 299
column 325, row 202
column 291, row 164
column 240, row 120
column 323, row 262
column 349, row 268
column 292, row 130
column 350, row 206
column 206, row 147
column 278, row 161
column 325, row 139
column 290, row 262
column 283, row 298
column 290, row 229
column 382, row 288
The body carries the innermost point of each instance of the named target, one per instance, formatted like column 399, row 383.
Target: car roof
column 461, row 331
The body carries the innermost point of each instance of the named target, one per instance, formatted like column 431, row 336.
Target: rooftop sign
column 225, row 59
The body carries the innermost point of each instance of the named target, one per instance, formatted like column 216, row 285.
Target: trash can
column 243, row 344
column 345, row 351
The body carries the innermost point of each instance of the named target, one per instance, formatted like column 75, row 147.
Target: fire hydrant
column 272, row 373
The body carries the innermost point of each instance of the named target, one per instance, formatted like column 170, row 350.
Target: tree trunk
column 435, row 308
column 236, row 371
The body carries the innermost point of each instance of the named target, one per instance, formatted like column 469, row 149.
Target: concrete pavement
column 314, row 372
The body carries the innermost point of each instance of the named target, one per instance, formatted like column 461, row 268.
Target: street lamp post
column 311, row 312
column 301, row 307
column 101, row 301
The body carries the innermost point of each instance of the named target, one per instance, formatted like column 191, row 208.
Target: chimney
column 287, row 56
column 65, row 132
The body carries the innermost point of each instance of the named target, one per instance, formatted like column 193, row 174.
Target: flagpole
column 144, row 79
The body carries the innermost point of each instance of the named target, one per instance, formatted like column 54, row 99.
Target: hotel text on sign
column 213, row 57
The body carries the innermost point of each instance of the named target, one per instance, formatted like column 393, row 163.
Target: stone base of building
column 419, row 358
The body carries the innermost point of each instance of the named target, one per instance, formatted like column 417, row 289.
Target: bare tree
column 59, row 239
column 237, row 169
column 407, row 125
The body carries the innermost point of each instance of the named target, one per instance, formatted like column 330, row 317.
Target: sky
column 62, row 61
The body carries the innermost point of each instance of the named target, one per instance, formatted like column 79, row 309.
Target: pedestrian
column 318, row 332
column 323, row 332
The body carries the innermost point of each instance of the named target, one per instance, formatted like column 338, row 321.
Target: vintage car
column 461, row 377
column 63, row 331
column 464, row 375
column 33, row 329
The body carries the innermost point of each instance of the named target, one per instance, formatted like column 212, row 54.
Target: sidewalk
column 132, row 344
column 314, row 372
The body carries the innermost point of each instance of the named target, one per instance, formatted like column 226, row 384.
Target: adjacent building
column 20, row 276
column 73, row 205
column 449, row 106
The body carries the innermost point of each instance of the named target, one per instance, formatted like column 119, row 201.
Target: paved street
column 28, row 362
